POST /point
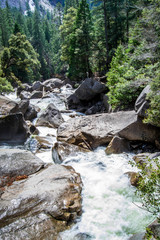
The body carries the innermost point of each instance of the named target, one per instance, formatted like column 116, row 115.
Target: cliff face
column 46, row 4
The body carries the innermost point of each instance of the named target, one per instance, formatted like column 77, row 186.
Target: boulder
column 99, row 129
column 142, row 104
column 73, row 102
column 15, row 163
column 134, row 177
column 7, row 106
column 61, row 150
column 24, row 87
column 36, row 94
column 37, row 86
column 142, row 158
column 23, row 106
column 118, row 145
column 138, row 131
column 42, row 205
column 24, row 95
column 52, row 83
column 89, row 89
column 31, row 112
column 51, row 117
column 44, row 142
column 96, row 108
column 13, row 128
column 106, row 104
column 32, row 129
column 94, row 130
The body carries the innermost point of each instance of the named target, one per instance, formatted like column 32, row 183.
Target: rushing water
column 109, row 203
column 108, row 209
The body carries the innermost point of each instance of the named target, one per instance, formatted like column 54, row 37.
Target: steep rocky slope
column 46, row 4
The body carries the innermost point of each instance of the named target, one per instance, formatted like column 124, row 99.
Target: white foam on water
column 108, row 210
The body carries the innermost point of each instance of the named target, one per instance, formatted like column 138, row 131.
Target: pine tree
column 38, row 42
column 19, row 61
column 83, row 41
column 67, row 30
column 69, row 4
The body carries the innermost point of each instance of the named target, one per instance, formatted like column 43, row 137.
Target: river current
column 109, row 206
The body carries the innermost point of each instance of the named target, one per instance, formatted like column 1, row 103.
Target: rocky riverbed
column 39, row 198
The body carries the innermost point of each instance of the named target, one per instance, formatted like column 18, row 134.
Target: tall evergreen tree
column 19, row 61
column 83, row 40
column 38, row 41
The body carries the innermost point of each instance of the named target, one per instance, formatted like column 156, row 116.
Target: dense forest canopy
column 116, row 38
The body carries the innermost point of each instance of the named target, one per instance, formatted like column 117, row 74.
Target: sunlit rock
column 15, row 163
column 118, row 145
column 51, row 117
column 7, row 106
column 42, row 205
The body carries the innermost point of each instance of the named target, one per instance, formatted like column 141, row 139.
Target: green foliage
column 19, row 61
column 154, row 98
column 149, row 186
column 76, row 40
column 123, row 80
column 5, row 86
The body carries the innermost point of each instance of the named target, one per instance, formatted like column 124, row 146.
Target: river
column 109, row 206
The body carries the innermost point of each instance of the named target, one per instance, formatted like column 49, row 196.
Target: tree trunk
column 106, row 32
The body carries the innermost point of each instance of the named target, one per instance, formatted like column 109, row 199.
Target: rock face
column 95, row 130
column 36, row 94
column 23, row 106
column 89, row 89
column 13, row 128
column 7, row 106
column 42, row 205
column 37, row 86
column 24, row 87
column 52, row 83
column 89, row 98
column 24, row 95
column 15, row 163
column 118, row 145
column 142, row 104
column 138, row 131
column 31, row 112
column 51, row 117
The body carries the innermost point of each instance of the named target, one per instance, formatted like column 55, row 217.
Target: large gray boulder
column 23, row 106
column 89, row 98
column 24, row 95
column 37, row 86
column 89, row 89
column 31, row 112
column 94, row 130
column 42, row 205
column 24, row 87
column 51, row 117
column 142, row 104
column 99, row 129
column 138, row 131
column 7, row 106
column 52, row 83
column 13, row 128
column 15, row 163
column 36, row 94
